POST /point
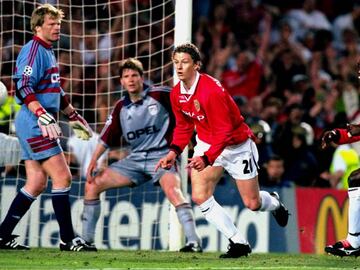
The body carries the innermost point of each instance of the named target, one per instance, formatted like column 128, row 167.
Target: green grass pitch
column 42, row 258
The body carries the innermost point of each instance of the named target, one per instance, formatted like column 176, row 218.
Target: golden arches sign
column 329, row 206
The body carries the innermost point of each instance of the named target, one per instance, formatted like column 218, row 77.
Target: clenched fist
column 330, row 136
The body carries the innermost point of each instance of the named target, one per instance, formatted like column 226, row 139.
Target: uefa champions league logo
column 27, row 71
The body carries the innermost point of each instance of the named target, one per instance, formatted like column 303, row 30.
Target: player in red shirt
column 224, row 141
column 351, row 245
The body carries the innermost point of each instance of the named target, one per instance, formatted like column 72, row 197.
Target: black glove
column 330, row 136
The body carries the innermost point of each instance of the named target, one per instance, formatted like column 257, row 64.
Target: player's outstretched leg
column 17, row 210
column 90, row 217
column 280, row 214
column 170, row 184
column 216, row 215
column 186, row 218
column 236, row 250
column 342, row 248
column 10, row 243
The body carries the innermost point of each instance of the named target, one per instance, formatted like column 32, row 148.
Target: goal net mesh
column 95, row 36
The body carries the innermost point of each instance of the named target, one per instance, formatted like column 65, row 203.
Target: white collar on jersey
column 191, row 91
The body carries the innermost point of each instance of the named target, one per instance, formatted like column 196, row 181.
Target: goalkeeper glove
column 80, row 126
column 331, row 136
column 47, row 124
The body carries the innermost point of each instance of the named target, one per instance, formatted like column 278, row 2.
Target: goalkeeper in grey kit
column 143, row 117
column 38, row 91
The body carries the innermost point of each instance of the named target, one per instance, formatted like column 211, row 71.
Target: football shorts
column 33, row 145
column 240, row 161
column 139, row 167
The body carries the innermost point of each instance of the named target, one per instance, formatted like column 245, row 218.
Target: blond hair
column 38, row 15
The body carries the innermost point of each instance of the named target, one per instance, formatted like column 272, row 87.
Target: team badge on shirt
column 27, row 71
column 197, row 105
column 153, row 109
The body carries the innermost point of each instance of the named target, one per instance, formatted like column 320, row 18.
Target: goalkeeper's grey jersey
column 145, row 125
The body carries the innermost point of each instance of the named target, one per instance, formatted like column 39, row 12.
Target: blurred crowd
column 291, row 67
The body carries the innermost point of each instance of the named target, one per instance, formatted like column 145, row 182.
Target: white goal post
column 95, row 36
column 183, row 23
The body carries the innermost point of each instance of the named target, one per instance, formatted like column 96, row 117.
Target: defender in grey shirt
column 143, row 117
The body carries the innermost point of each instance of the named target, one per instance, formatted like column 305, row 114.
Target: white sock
column 217, row 216
column 238, row 238
column 268, row 202
column 354, row 217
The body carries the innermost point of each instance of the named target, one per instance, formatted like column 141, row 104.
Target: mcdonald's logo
column 329, row 207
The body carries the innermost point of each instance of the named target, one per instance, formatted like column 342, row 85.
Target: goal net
column 95, row 36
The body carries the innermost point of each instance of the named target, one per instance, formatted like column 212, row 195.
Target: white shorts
column 240, row 161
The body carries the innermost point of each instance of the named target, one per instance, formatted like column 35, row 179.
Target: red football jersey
column 211, row 110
